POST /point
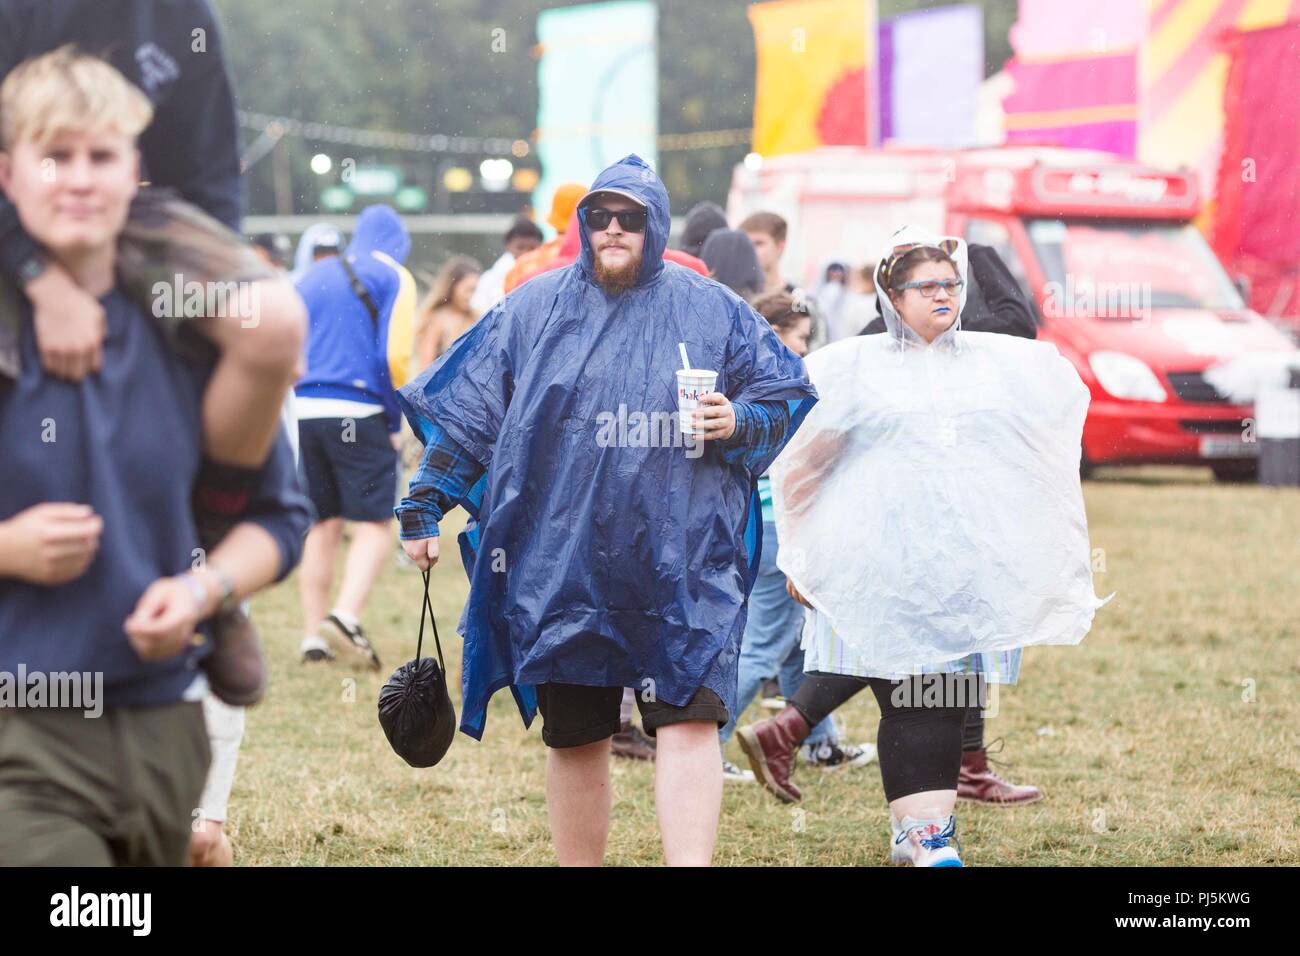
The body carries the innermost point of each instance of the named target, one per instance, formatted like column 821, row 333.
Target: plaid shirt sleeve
column 760, row 427
column 446, row 473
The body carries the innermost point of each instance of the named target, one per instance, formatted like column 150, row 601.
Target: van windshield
column 1167, row 266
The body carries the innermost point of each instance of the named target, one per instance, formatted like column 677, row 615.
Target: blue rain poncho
column 598, row 556
column 930, row 508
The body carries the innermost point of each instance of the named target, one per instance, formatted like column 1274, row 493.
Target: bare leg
column 578, row 801
column 368, row 554
column 257, row 365
column 316, row 575
column 688, row 791
column 209, row 846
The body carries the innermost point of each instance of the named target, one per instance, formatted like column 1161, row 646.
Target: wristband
column 226, row 601
column 197, row 591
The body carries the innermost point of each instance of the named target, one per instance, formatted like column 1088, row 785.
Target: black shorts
column 573, row 715
column 349, row 467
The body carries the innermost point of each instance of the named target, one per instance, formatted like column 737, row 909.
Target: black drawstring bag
column 415, row 707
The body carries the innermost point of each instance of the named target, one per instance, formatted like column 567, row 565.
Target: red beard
column 616, row 281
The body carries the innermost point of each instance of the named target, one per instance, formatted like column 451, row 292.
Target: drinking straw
column 686, row 362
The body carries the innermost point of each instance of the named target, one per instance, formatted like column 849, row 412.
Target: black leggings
column 920, row 746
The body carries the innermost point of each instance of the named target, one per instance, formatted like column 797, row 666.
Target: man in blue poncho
column 606, row 551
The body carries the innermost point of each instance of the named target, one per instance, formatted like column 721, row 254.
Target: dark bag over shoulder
column 360, row 290
column 415, row 706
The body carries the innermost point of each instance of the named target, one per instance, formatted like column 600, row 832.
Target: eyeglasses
column 930, row 287
column 598, row 219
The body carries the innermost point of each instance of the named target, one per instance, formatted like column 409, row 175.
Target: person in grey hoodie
column 731, row 259
column 702, row 219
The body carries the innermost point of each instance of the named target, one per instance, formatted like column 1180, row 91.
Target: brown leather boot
column 235, row 669
column 771, row 746
column 978, row 783
column 633, row 743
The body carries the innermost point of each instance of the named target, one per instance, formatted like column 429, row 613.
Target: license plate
column 1217, row 447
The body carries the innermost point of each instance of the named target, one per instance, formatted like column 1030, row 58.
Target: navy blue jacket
column 125, row 441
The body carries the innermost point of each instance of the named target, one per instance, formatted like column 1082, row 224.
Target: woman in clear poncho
column 931, row 518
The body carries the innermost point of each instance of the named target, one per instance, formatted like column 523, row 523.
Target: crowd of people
column 166, row 467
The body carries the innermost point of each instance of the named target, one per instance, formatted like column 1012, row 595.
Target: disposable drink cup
column 692, row 385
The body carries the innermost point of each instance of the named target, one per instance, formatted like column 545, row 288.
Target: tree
column 466, row 68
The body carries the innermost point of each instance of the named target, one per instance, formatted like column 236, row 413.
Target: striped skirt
column 825, row 652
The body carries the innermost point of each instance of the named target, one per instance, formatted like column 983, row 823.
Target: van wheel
column 1236, row 472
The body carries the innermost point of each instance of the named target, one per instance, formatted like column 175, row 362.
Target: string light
column 278, row 126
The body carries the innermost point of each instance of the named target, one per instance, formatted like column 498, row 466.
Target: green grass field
column 1168, row 737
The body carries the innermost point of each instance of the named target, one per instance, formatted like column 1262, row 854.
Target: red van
column 1122, row 281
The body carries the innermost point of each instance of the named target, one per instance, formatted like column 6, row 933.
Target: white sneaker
column 314, row 649
column 733, row 774
column 833, row 756
column 345, row 633
column 925, row 842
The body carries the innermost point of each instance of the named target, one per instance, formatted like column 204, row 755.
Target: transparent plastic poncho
column 930, row 505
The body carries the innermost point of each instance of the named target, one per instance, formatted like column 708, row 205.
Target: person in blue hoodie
column 349, row 428
column 106, row 596
column 606, row 550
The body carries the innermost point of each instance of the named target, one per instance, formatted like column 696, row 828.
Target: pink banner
column 1086, row 103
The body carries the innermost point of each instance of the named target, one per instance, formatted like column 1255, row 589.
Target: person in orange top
column 563, row 206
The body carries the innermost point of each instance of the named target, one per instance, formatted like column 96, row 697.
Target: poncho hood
column 380, row 229
column 633, row 175
column 899, row 331
column 305, row 254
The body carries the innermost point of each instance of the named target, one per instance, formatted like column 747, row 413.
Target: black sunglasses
column 598, row 218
